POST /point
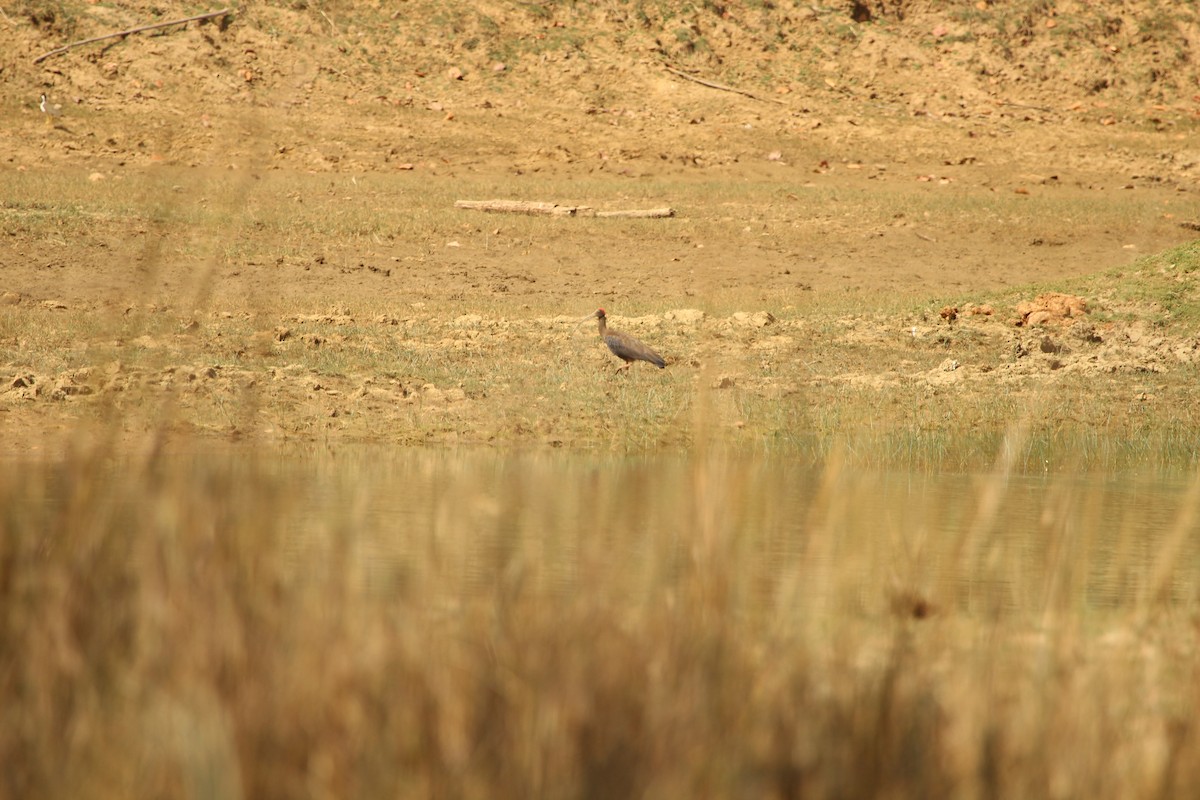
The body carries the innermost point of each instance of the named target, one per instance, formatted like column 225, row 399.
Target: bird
column 50, row 110
column 624, row 346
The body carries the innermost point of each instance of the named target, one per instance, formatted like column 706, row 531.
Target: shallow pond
column 449, row 521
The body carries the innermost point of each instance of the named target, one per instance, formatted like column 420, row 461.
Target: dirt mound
column 1049, row 309
column 312, row 81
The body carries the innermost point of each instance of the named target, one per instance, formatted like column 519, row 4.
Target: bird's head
column 597, row 314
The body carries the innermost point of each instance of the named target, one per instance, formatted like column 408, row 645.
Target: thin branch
column 123, row 34
column 1042, row 109
column 720, row 86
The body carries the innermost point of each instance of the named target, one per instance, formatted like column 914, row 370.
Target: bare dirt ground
column 300, row 162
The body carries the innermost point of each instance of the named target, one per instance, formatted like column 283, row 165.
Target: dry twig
column 123, row 34
column 720, row 86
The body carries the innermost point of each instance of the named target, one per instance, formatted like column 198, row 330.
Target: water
column 793, row 534
column 775, row 536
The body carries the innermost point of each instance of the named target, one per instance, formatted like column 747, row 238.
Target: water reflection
column 769, row 535
column 548, row 523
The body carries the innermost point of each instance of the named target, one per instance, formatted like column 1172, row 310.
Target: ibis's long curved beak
column 588, row 318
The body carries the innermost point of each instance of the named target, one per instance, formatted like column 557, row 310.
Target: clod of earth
column 1050, row 308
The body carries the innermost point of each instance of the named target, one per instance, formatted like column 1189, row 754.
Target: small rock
column 9, row 299
column 66, row 387
column 759, row 319
column 1085, row 332
column 724, row 382
column 688, row 316
column 146, row 342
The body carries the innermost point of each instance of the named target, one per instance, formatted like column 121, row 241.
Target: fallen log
column 645, row 213
column 556, row 210
column 519, row 207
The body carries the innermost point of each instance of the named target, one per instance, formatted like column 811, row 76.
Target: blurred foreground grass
column 176, row 625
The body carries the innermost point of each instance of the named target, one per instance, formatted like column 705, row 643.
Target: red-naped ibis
column 624, row 346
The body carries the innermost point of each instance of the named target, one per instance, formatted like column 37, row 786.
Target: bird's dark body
column 626, row 347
